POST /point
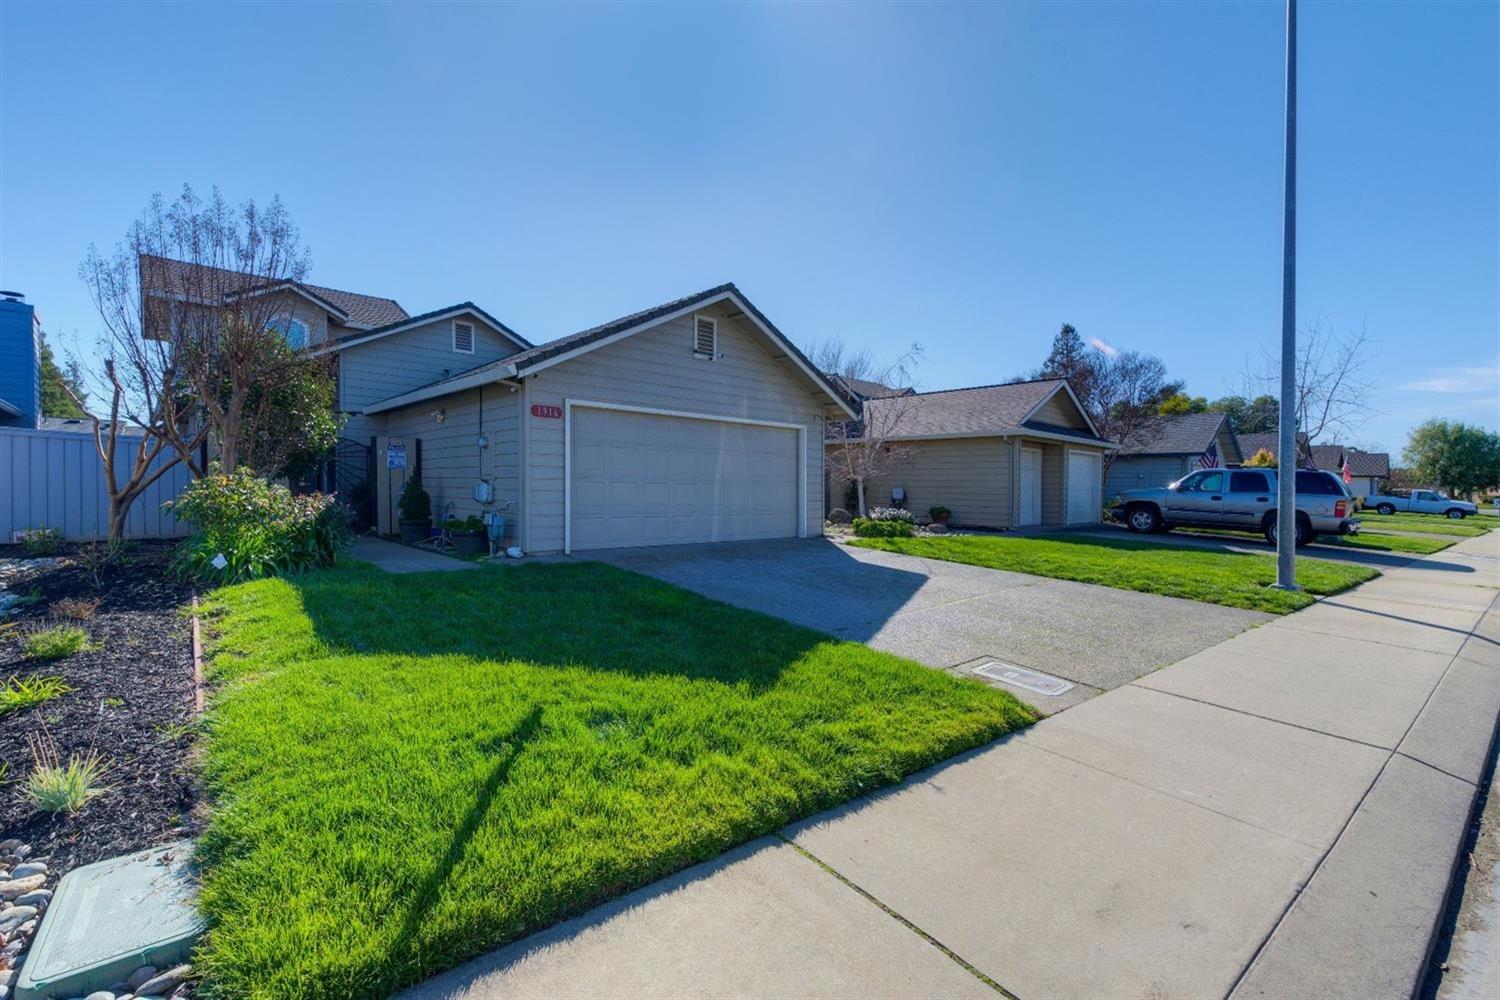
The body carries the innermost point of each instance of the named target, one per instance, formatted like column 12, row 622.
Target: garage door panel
column 646, row 479
column 1084, row 500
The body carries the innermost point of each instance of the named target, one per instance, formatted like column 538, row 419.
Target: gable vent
column 705, row 336
column 463, row 338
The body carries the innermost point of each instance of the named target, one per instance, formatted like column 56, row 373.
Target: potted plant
column 468, row 534
column 416, row 511
column 939, row 515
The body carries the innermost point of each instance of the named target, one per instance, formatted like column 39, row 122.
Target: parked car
column 1420, row 502
column 1239, row 500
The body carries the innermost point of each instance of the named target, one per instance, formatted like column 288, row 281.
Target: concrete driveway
column 948, row 615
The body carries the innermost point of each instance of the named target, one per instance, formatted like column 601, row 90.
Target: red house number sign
column 550, row 412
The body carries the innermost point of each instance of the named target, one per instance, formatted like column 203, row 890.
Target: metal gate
column 349, row 476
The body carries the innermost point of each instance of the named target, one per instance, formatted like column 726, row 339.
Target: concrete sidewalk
column 396, row 558
column 1278, row 815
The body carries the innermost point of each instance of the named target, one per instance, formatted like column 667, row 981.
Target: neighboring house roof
column 980, row 411
column 1369, row 463
column 553, row 352
column 1328, row 456
column 1180, row 434
column 863, row 388
column 164, row 275
column 83, row 425
column 457, row 309
column 1252, row 443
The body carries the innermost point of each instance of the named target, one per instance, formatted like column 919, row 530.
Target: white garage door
column 645, row 479
column 1084, row 488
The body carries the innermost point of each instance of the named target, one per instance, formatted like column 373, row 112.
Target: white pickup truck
column 1420, row 502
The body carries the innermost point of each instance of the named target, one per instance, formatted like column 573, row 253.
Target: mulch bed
column 132, row 700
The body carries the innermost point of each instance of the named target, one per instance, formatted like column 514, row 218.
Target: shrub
column 892, row 514
column 24, row 692
column 41, row 541
column 54, row 786
column 868, row 527
column 79, row 609
column 258, row 528
column 56, row 642
column 472, row 523
column 98, row 557
column 415, row 504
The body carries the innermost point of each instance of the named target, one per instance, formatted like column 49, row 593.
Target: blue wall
column 20, row 374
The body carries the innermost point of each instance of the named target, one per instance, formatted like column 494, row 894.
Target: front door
column 395, row 462
column 1031, row 487
column 1198, row 498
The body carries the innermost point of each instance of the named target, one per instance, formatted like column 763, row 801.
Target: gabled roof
column 1369, row 463
column 535, row 359
column 163, row 275
column 457, row 309
column 863, row 388
column 1328, row 456
column 1180, row 434
column 979, row 411
column 1252, row 443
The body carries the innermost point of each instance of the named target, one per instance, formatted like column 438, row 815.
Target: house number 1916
column 550, row 412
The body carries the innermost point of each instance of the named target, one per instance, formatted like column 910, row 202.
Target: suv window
column 1319, row 483
column 1248, row 482
column 1202, row 482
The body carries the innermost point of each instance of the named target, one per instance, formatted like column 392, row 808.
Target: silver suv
column 1239, row 500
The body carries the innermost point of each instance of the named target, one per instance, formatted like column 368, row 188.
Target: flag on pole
column 1210, row 458
column 1347, row 472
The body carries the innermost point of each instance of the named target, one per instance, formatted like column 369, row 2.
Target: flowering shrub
column 892, row 514
column 260, row 528
column 868, row 527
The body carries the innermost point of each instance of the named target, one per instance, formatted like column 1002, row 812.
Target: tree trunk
column 859, row 485
column 119, row 510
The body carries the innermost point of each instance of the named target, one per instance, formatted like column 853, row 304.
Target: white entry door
column 1031, row 487
column 639, row 478
column 1084, row 488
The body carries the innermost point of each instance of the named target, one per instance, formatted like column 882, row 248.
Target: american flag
column 1210, row 458
column 1348, row 472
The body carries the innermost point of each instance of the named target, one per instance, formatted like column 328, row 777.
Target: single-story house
column 1368, row 472
column 1169, row 447
column 997, row 456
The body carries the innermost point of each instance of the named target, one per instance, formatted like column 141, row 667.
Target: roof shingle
column 1180, row 434
column 977, row 411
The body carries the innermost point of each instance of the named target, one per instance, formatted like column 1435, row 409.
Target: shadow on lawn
column 1237, row 545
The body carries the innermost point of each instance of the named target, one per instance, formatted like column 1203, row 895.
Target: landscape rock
column 144, row 974
column 100, row 995
column 9, row 845
column 36, row 897
column 20, row 886
column 166, row 982
column 28, row 869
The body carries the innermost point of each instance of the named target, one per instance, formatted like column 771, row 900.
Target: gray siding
column 1060, row 411
column 969, row 476
column 1229, row 447
column 1143, row 472
column 1054, row 481
column 408, row 360
column 452, row 461
column 55, row 480
column 657, row 368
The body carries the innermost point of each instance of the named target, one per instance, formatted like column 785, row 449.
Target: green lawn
column 1374, row 542
column 406, row 771
column 1238, row 580
column 1433, row 524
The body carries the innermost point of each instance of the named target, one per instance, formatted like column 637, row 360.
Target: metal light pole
column 1286, row 448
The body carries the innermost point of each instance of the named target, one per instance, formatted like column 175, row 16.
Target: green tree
column 1073, row 360
column 1181, row 402
column 57, row 399
column 1248, row 416
column 1461, row 458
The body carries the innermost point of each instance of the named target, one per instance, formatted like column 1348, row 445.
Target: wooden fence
column 51, row 479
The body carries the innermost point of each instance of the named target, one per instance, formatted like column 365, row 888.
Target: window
column 293, row 331
column 1202, row 482
column 705, row 336
column 1319, row 484
column 463, row 337
column 1248, row 482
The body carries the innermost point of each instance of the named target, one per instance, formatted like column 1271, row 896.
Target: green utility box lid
column 110, row 918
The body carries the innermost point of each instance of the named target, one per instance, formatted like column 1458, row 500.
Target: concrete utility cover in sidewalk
column 110, row 918
column 1020, row 677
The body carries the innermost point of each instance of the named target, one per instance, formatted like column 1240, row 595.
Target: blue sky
column 966, row 177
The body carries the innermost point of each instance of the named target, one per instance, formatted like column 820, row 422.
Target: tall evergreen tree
column 56, row 402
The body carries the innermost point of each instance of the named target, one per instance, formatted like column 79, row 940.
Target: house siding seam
column 656, row 368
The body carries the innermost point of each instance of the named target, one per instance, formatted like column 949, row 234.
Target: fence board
column 51, row 479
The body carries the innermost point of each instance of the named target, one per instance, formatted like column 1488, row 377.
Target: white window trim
column 697, row 317
column 473, row 336
column 569, row 404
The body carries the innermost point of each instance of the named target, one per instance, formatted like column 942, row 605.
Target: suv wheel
column 1387, row 508
column 1304, row 531
column 1143, row 520
column 1456, row 514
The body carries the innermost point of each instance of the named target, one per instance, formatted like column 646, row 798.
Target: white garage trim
column 569, row 404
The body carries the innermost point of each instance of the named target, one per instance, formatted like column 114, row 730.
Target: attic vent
column 463, row 337
column 705, row 336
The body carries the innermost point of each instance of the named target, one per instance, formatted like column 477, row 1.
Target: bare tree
column 1126, row 391
column 864, row 449
column 833, row 356
column 1333, row 387
column 189, row 301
